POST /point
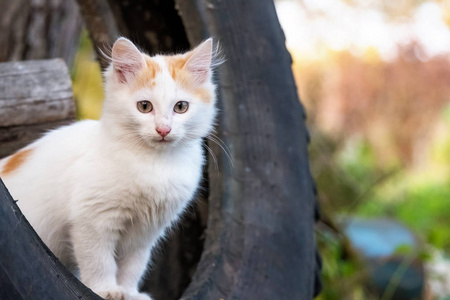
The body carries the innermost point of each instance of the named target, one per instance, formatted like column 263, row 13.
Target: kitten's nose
column 163, row 130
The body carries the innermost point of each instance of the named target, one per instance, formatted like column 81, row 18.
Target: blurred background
column 374, row 77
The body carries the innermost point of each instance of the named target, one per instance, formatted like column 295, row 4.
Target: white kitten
column 101, row 193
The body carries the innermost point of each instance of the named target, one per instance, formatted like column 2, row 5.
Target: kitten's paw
column 115, row 293
column 140, row 296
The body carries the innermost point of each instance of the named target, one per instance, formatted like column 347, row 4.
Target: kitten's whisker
column 131, row 139
column 106, row 56
column 216, row 166
column 221, row 141
column 228, row 155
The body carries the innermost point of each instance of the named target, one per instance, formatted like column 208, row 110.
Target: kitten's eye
column 181, row 107
column 145, row 106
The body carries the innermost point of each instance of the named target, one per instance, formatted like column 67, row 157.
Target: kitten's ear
column 199, row 62
column 127, row 59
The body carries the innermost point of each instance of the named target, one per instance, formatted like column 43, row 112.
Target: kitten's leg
column 132, row 262
column 94, row 252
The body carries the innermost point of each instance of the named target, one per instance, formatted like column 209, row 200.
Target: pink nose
column 163, row 131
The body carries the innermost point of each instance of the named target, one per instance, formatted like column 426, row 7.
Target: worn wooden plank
column 35, row 96
column 33, row 92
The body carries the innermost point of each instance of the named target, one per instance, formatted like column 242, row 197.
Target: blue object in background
column 377, row 241
column 378, row 238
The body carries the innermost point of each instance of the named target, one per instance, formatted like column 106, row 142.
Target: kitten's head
column 160, row 101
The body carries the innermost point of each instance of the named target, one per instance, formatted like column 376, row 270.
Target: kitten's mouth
column 163, row 141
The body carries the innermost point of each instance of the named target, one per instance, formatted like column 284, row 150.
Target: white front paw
column 140, row 296
column 114, row 293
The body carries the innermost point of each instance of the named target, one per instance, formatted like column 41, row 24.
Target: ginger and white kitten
column 101, row 193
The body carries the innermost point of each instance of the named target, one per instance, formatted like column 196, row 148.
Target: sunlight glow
column 318, row 25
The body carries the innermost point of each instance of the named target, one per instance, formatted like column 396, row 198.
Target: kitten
column 101, row 193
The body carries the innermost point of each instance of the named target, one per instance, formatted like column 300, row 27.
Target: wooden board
column 35, row 96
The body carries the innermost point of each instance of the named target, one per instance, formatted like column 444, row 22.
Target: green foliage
column 420, row 198
column 423, row 207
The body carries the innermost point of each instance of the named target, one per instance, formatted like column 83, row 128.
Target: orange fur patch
column 15, row 161
column 146, row 76
column 175, row 66
column 203, row 94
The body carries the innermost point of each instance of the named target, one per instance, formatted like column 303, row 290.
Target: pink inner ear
column 127, row 59
column 200, row 74
column 199, row 64
column 126, row 71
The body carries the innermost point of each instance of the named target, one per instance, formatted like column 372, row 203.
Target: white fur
column 101, row 193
